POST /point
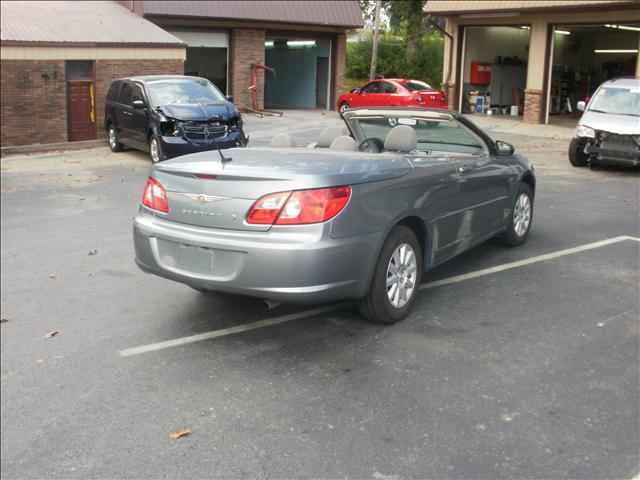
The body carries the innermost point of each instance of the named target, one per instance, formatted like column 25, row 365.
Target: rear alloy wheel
column 520, row 221
column 114, row 144
column 154, row 149
column 577, row 157
column 344, row 106
column 396, row 278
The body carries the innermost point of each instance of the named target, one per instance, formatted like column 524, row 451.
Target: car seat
column 329, row 134
column 282, row 140
column 344, row 142
column 401, row 138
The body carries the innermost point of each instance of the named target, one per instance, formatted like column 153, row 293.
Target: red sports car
column 392, row 92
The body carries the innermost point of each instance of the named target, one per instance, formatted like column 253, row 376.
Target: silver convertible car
column 362, row 214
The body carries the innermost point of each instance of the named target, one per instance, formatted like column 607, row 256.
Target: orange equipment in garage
column 254, row 84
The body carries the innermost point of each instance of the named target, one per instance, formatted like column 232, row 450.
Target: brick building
column 540, row 55
column 58, row 57
column 304, row 41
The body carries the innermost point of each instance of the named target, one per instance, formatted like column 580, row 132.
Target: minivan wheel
column 576, row 156
column 396, row 278
column 114, row 144
column 520, row 219
column 154, row 149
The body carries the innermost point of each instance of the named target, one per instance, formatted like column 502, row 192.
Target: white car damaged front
column 609, row 130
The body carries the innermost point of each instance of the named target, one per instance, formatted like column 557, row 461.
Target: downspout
column 444, row 32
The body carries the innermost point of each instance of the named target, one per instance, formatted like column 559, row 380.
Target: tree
column 405, row 19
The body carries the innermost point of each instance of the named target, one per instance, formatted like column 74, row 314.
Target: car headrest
column 344, row 142
column 282, row 140
column 401, row 138
column 329, row 134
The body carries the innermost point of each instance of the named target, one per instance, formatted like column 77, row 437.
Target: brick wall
column 247, row 47
column 340, row 62
column 532, row 106
column 34, row 102
column 34, row 96
column 108, row 70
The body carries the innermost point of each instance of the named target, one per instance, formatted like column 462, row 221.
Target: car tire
column 155, row 150
column 114, row 143
column 576, row 156
column 386, row 304
column 344, row 106
column 521, row 218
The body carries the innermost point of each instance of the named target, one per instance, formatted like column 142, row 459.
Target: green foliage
column 426, row 65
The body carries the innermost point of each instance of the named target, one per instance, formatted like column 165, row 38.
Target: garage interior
column 494, row 66
column 585, row 56
column 303, row 72
column 207, row 56
column 494, row 70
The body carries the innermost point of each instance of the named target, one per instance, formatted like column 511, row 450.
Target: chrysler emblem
column 202, row 198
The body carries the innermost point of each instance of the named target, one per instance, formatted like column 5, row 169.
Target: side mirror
column 358, row 91
column 504, row 149
column 581, row 106
column 229, row 98
column 139, row 105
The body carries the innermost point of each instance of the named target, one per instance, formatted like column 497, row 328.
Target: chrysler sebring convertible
column 360, row 216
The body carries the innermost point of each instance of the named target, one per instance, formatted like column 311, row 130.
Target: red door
column 80, row 111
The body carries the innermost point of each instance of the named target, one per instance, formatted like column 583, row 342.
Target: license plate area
column 198, row 261
column 192, row 258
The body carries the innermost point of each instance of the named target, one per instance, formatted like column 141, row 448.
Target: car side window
column 126, row 92
column 386, row 87
column 371, row 88
column 112, row 94
column 137, row 94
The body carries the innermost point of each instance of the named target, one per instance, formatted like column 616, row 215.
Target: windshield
column 619, row 101
column 413, row 85
column 439, row 135
column 183, row 91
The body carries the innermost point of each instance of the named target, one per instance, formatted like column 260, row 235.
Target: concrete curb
column 50, row 147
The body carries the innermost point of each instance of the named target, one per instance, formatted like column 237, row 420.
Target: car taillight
column 419, row 98
column 299, row 207
column 154, row 196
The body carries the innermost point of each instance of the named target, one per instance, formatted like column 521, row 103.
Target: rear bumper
column 300, row 264
column 172, row 147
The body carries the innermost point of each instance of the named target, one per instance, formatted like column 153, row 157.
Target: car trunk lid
column 204, row 191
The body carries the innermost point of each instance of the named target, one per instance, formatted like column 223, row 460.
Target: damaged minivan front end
column 609, row 130
column 188, row 128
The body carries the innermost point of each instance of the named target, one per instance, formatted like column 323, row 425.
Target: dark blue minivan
column 169, row 116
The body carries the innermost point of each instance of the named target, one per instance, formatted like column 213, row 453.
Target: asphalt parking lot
column 515, row 363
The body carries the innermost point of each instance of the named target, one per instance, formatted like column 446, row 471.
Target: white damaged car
column 609, row 130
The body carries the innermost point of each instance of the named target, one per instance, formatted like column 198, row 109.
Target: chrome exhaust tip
column 270, row 304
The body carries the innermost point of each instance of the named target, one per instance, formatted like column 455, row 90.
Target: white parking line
column 338, row 306
column 527, row 261
column 232, row 330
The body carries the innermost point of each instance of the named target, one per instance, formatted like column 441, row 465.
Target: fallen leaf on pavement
column 40, row 360
column 93, row 252
column 4, row 320
column 52, row 275
column 81, row 198
column 50, row 335
column 180, row 433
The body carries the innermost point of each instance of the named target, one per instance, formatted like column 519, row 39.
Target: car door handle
column 464, row 168
column 127, row 113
